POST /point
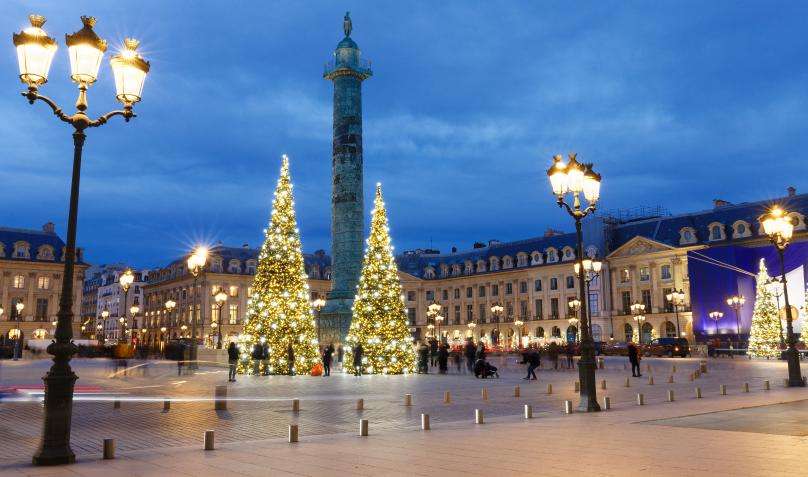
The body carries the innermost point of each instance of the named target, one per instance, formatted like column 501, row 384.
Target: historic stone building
column 31, row 273
column 112, row 299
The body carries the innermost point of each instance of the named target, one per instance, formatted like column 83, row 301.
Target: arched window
column 597, row 333
column 670, row 330
column 507, row 262
column 568, row 253
column 552, row 255
column 22, row 250
column 741, row 229
column 444, row 270
column 480, row 266
column 44, row 252
column 647, row 332
column 216, row 265
column 716, row 231
column 469, row 267
column 572, row 334
column 539, row 332
column 234, row 266
column 535, row 258
column 521, row 259
column 456, row 270
column 493, row 264
column 327, row 273
column 687, row 235
column 556, row 332
column 798, row 220
column 429, row 273
column 628, row 332
column 251, row 264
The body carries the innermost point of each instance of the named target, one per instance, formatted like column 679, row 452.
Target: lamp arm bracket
column 126, row 113
column 32, row 95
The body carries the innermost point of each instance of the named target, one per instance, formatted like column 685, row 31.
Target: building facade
column 31, row 273
column 118, row 304
column 93, row 279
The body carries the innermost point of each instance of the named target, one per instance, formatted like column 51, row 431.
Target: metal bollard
column 567, row 407
column 670, row 395
column 640, row 399
column 208, row 440
column 607, row 403
column 166, row 405
column 295, row 405
column 673, row 368
column 424, row 422
column 577, row 386
column 785, row 383
column 766, row 385
column 447, row 397
column 628, row 383
column 549, row 388
column 116, row 404
column 703, row 367
column 109, row 449
column 746, row 387
column 363, row 427
column 528, row 411
column 293, row 432
column 603, row 384
column 485, row 394
column 220, row 402
column 698, row 392
column 408, row 399
column 517, row 392
column 601, row 363
column 723, row 389
column 360, row 404
column 651, row 380
column 478, row 416
column 648, row 368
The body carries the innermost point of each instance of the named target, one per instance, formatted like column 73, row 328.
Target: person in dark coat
column 455, row 354
column 327, row 353
column 357, row 359
column 443, row 359
column 433, row 351
column 470, row 352
column 570, row 352
column 552, row 353
column 480, row 351
column 634, row 359
column 290, row 359
column 340, row 353
column 423, row 358
column 531, row 358
column 257, row 356
column 232, row 360
column 265, row 359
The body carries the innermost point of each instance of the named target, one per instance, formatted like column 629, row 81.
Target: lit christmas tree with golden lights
column 379, row 318
column 764, row 337
column 278, row 310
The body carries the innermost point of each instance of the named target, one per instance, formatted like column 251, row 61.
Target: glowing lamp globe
column 591, row 184
column 558, row 176
column 35, row 50
column 86, row 49
column 126, row 279
column 129, row 70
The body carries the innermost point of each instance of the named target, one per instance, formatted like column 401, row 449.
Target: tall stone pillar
column 346, row 71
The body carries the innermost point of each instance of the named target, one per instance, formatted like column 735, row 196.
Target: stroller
column 483, row 369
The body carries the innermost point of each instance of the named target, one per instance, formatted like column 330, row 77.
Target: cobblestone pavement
column 259, row 409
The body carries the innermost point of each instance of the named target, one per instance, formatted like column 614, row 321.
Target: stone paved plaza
column 748, row 433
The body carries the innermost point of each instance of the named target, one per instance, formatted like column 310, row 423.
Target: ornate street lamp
column 134, row 310
column 637, row 310
column 170, row 305
column 19, row 306
column 438, row 320
column 715, row 316
column 430, row 327
column 776, row 289
column 676, row 298
column 318, row 304
column 471, row 325
column 220, row 298
column 639, row 319
column 126, row 280
column 736, row 302
column 779, row 227
column 579, row 179
column 163, row 330
column 519, row 325
column 592, row 270
column 196, row 263
column 496, row 310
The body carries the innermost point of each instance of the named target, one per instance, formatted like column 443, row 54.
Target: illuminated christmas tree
column 764, row 337
column 278, row 310
column 379, row 318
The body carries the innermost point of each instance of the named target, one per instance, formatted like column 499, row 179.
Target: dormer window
column 429, row 273
column 480, row 266
column 716, row 231
column 456, row 270
column 469, row 267
column 552, row 255
column 569, row 254
column 741, row 229
column 494, row 264
column 521, row 259
column 798, row 220
column 234, row 266
column 687, row 235
column 507, row 262
column 216, row 265
column 327, row 273
column 45, row 252
column 444, row 270
column 535, row 258
column 21, row 250
column 251, row 264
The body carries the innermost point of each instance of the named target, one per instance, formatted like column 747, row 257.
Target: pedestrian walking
column 357, row 359
column 340, row 354
column 480, row 354
column 290, row 359
column 443, row 359
column 433, row 351
column 232, row 360
column 329, row 351
column 532, row 359
column 552, row 353
column 634, row 359
column 457, row 359
column 570, row 352
column 423, row 358
column 470, row 353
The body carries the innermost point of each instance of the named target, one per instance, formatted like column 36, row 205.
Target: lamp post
column 779, row 227
column 736, row 302
column 432, row 312
column 318, row 304
column 19, row 306
column 574, row 305
column 170, row 305
column 519, row 324
column 431, row 329
column 125, row 280
column 715, row 316
column 134, row 310
column 496, row 310
column 592, row 270
column 676, row 298
column 776, row 288
column 162, row 337
column 638, row 310
column 35, row 51
column 471, row 325
column 183, row 329
column 104, row 316
column 196, row 263
column 576, row 179
column 220, row 298
column 438, row 320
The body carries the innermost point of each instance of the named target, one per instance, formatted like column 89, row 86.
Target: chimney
column 551, row 232
column 245, row 246
column 478, row 245
column 792, row 191
column 454, row 249
column 717, row 203
column 49, row 228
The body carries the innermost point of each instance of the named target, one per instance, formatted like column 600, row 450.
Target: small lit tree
column 764, row 337
column 379, row 318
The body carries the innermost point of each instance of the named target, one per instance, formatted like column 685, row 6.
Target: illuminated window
column 19, row 281
column 43, row 283
column 233, row 309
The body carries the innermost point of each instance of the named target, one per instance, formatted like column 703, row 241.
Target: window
column 15, row 315
column 249, row 291
column 668, row 303
column 509, row 288
column 556, row 332
column 233, row 308
column 481, row 291
column 234, row 266
column 552, row 255
column 457, row 313
column 594, row 304
column 523, row 309
column 554, row 283
column 41, row 313
column 457, row 293
column 535, row 258
column 469, row 292
column 665, row 272
column 539, row 332
column 626, row 302
column 469, row 269
column 430, row 295
column 507, row 262
column 43, row 283
column 538, row 310
column 233, row 291
column 716, row 232
column 521, row 259
column 481, row 311
column 645, row 274
column 554, row 309
column 251, row 267
column 568, row 254
column 469, row 313
column 537, row 284
column 19, row 281
column 411, row 316
column 687, row 235
column 522, row 287
column 646, row 300
column 214, row 313
column 445, row 294
column 494, row 290
column 628, row 332
column 429, row 273
column 570, row 282
column 410, row 296
column 21, row 250
column 480, row 266
column 625, row 275
column 509, row 311
column 670, row 330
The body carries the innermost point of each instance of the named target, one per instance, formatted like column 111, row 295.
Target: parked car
column 667, row 347
column 618, row 348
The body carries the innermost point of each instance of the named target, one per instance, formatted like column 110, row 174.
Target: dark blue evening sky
column 676, row 103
